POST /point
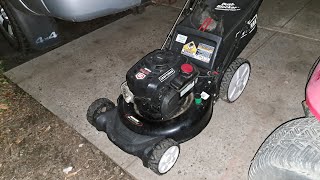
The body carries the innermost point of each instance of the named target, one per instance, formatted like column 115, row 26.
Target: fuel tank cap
column 187, row 68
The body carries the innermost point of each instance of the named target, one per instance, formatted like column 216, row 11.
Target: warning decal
column 189, row 49
column 203, row 52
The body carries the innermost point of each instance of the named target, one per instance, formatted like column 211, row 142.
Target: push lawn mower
column 169, row 94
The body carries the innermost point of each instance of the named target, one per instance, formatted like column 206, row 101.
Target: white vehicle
column 30, row 24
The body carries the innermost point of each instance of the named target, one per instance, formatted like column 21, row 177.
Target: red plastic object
column 187, row 68
column 313, row 93
column 204, row 26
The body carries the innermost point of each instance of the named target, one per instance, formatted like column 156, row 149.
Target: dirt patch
column 35, row 144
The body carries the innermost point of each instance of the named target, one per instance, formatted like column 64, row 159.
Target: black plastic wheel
column 163, row 156
column 10, row 29
column 235, row 80
column 96, row 108
column 291, row 152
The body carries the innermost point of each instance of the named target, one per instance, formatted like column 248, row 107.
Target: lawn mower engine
column 159, row 85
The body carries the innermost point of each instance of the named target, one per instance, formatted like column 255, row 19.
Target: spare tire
column 291, row 152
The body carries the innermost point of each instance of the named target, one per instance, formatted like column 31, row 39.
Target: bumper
column 79, row 10
column 75, row 10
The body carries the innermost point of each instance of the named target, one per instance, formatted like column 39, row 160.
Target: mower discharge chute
column 169, row 94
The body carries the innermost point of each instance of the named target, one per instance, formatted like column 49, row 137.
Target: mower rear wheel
column 163, row 156
column 235, row 80
column 98, row 107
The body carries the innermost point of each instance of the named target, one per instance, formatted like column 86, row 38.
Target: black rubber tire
column 227, row 77
column 157, row 152
column 138, row 10
column 291, row 152
column 315, row 64
column 19, row 43
column 97, row 107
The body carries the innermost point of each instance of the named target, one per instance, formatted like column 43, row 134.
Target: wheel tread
column 157, row 153
column 227, row 77
column 291, row 150
column 95, row 106
column 22, row 44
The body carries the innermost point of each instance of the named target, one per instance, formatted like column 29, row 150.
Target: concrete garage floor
column 66, row 81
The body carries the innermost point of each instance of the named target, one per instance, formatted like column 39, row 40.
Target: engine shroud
column 160, row 83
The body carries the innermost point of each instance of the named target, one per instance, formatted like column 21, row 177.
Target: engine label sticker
column 204, row 52
column 186, row 89
column 140, row 75
column 134, row 120
column 145, row 71
column 227, row 7
column 166, row 75
column 181, row 38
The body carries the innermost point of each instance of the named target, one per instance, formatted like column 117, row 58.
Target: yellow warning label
column 189, row 49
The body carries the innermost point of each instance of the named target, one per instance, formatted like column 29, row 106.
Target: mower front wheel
column 163, row 156
column 98, row 107
column 235, row 80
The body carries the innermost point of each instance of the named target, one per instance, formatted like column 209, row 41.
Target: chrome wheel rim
column 168, row 159
column 5, row 23
column 238, row 82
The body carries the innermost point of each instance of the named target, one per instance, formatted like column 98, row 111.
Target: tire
column 315, row 64
column 138, row 10
column 291, row 152
column 16, row 39
column 158, row 161
column 96, row 108
column 229, row 90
